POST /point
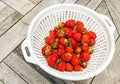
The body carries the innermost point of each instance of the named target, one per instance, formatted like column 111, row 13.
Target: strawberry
column 47, row 50
column 91, row 49
column 66, row 57
column 56, row 29
column 79, row 24
column 69, row 49
column 83, row 64
column 85, row 56
column 70, row 23
column 50, row 40
column 75, row 61
column 64, row 41
column 61, row 24
column 85, row 38
column 61, row 66
column 76, row 55
column 78, row 68
column 92, row 34
column 68, row 67
column 73, row 42
column 82, row 30
column 52, row 32
column 85, row 47
column 77, row 36
column 51, row 60
column 71, row 33
column 92, row 42
column 67, row 30
column 60, row 33
column 60, row 51
column 60, row 46
column 77, row 50
column 54, row 45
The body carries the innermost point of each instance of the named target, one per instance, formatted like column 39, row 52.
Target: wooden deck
column 15, row 17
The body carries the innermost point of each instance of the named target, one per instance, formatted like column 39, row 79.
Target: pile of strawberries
column 69, row 46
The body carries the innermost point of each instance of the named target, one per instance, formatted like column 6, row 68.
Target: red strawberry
column 56, row 29
column 73, row 42
column 85, row 56
column 70, row 23
column 75, row 61
column 92, row 34
column 60, row 51
column 66, row 57
column 51, row 60
column 68, row 67
column 60, row 46
column 78, row 68
column 83, row 64
column 64, row 41
column 79, row 24
column 71, row 33
column 92, row 42
column 76, row 55
column 67, row 30
column 52, row 32
column 60, row 33
column 85, row 47
column 61, row 66
column 50, row 40
column 77, row 36
column 47, row 50
column 85, row 38
column 69, row 49
column 61, row 24
column 91, row 49
column 54, row 45
column 77, row 50
column 82, row 30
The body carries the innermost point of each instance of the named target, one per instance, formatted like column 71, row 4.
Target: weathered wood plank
column 93, row 4
column 18, row 32
column 2, row 5
column 22, row 6
column 102, row 8
column 24, row 70
column 114, row 8
column 116, row 32
column 9, row 21
column 70, row 1
column 5, row 13
column 82, row 2
column 35, row 1
column 8, row 76
column 112, row 74
column 1, row 82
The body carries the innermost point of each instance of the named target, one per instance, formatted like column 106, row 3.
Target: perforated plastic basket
column 50, row 17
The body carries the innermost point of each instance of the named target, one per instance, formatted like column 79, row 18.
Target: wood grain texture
column 114, row 8
column 8, row 76
column 70, row 1
column 93, row 4
column 1, row 82
column 4, row 13
column 24, row 70
column 112, row 74
column 82, row 2
column 116, row 32
column 22, row 6
column 35, row 1
column 9, row 21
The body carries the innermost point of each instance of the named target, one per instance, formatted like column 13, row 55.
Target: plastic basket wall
column 48, row 20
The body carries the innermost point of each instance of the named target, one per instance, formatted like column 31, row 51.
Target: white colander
column 50, row 17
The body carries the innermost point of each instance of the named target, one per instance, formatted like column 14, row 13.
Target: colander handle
column 27, row 58
column 108, row 22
